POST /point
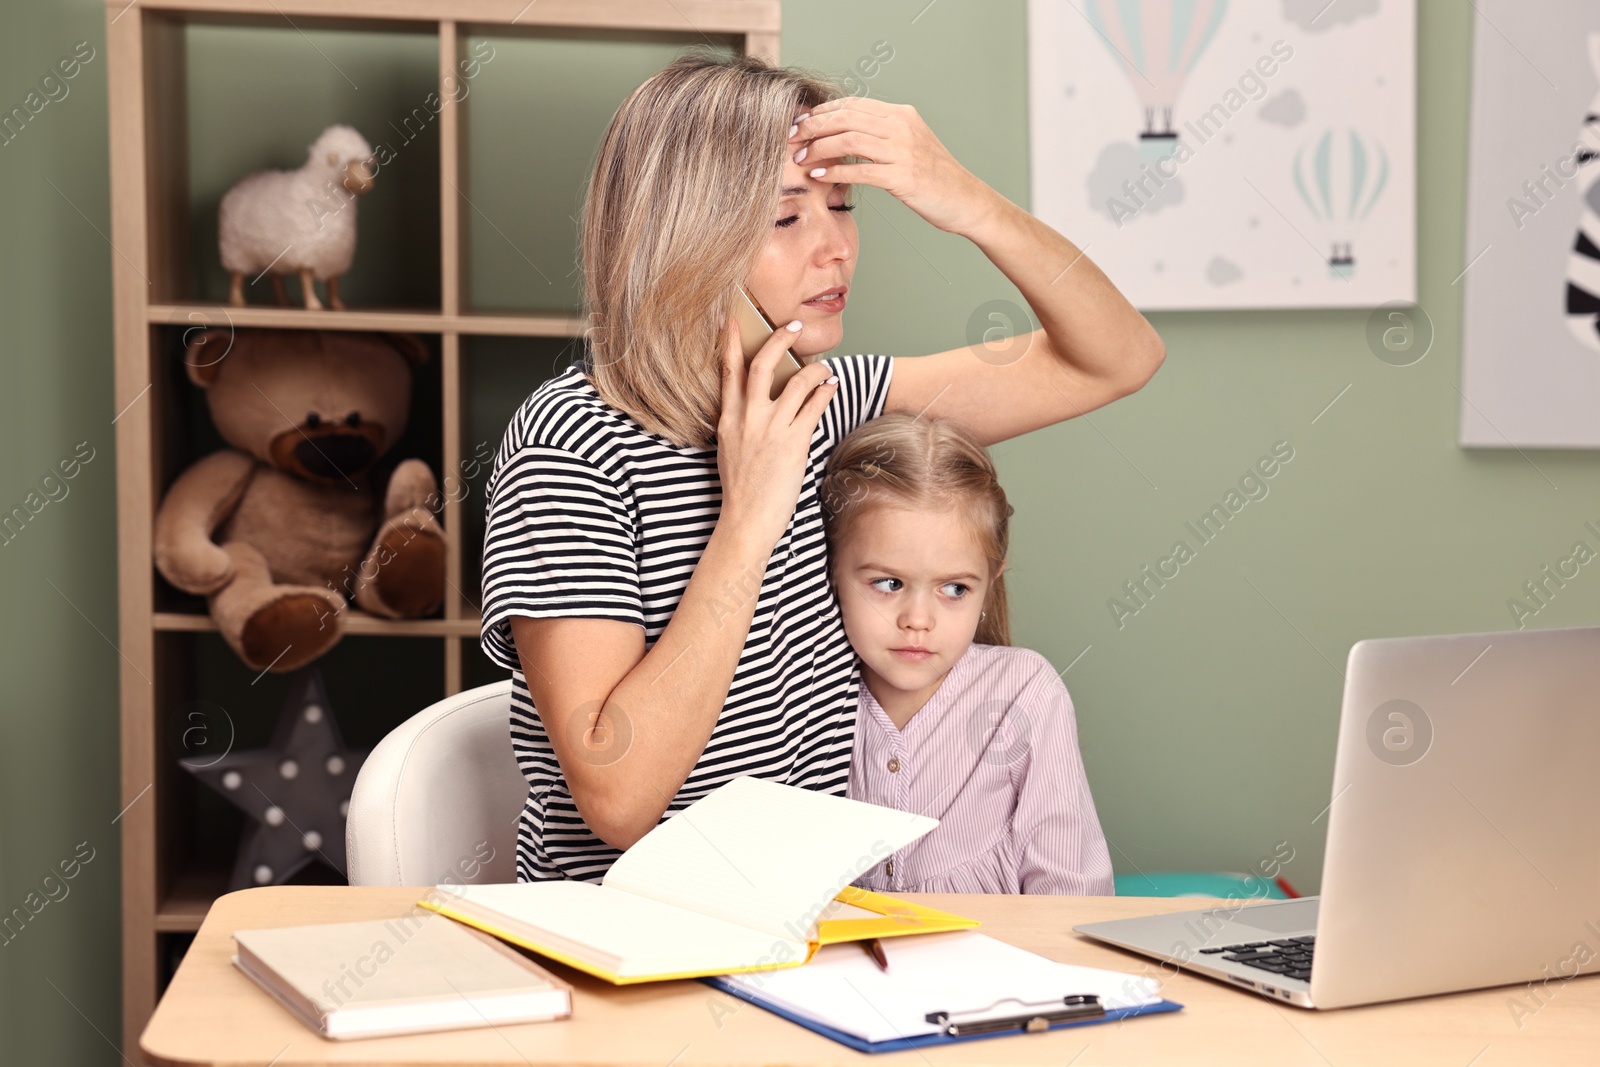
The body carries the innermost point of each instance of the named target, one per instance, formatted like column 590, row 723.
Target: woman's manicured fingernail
column 793, row 327
column 819, row 172
column 802, row 118
column 800, row 156
column 794, row 129
column 832, row 380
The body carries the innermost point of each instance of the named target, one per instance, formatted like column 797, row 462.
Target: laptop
column 1463, row 845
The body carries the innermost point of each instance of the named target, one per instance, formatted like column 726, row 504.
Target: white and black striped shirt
column 591, row 515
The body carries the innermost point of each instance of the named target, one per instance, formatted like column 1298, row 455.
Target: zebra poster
column 1530, row 375
column 1230, row 153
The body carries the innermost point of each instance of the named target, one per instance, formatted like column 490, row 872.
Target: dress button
column 894, row 766
column 888, row 868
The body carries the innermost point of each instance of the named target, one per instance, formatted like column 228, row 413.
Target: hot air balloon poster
column 1530, row 346
column 1230, row 153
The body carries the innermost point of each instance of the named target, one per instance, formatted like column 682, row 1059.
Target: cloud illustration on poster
column 1320, row 16
column 1222, row 271
column 1114, row 185
column 1286, row 109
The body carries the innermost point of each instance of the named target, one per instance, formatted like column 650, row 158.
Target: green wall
column 1225, row 687
column 60, row 978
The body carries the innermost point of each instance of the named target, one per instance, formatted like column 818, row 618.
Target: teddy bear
column 280, row 529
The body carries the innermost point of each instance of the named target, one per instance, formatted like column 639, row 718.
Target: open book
column 752, row 877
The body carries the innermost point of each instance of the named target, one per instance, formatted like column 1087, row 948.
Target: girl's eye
column 878, row 584
column 791, row 219
column 953, row 590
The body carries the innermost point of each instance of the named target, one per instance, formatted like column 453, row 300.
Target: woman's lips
column 831, row 306
column 913, row 655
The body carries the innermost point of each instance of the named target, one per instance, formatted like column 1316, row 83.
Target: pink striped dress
column 994, row 757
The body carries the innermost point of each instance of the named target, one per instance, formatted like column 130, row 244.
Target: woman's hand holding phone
column 763, row 444
column 754, row 331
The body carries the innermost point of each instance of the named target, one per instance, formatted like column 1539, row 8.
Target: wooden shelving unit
column 164, row 894
column 507, row 324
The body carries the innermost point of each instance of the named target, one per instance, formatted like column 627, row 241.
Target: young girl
column 952, row 722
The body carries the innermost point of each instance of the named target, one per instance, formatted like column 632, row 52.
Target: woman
column 655, row 574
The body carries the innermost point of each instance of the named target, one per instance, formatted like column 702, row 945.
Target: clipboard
column 1017, row 1023
column 942, row 988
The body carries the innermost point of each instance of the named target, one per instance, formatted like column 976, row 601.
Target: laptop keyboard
column 1290, row 957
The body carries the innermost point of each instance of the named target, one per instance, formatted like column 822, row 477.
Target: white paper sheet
column 957, row 972
column 764, row 855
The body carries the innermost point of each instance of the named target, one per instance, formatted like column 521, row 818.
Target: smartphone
column 754, row 329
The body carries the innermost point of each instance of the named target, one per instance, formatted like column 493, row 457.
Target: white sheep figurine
column 301, row 221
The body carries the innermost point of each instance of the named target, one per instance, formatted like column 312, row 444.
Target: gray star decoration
column 296, row 791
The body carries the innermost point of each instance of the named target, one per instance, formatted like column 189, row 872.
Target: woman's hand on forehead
column 899, row 155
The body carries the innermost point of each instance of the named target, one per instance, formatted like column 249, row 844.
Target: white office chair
column 438, row 794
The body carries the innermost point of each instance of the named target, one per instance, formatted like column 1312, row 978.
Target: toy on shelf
column 279, row 529
column 297, row 221
column 296, row 791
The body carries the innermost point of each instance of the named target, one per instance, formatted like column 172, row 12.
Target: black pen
column 874, row 948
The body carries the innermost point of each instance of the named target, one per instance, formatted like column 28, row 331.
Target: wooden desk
column 212, row 1014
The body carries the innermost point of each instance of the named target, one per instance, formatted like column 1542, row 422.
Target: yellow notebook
column 753, row 877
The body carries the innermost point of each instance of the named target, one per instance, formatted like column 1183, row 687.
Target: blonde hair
column 679, row 205
column 913, row 462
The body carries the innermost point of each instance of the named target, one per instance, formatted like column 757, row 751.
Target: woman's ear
column 998, row 571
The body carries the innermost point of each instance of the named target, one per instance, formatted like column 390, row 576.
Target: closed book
column 398, row 976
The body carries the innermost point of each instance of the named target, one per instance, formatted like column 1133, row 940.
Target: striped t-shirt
column 591, row 515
